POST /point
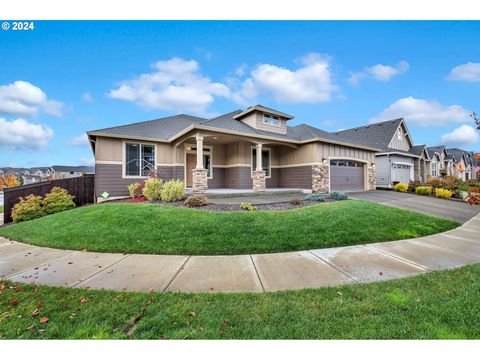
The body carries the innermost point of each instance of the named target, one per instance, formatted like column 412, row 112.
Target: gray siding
column 383, row 169
column 109, row 178
column 218, row 178
column 272, row 181
column 239, row 177
column 295, row 177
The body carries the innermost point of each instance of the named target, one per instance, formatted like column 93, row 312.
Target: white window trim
column 124, row 158
column 252, row 169
column 271, row 124
column 186, row 151
column 400, row 134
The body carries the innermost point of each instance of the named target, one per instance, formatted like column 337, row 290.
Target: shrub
column 172, row 190
column 28, row 208
column 248, row 206
column 473, row 183
column 315, row 197
column 423, row 190
column 473, row 196
column 338, row 195
column 412, row 185
column 453, row 179
column 58, row 200
column 462, row 187
column 436, row 182
column 135, row 190
column 153, row 189
column 402, row 187
column 295, row 201
column 443, row 193
column 196, row 201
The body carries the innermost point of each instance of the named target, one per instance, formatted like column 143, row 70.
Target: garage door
column 401, row 173
column 346, row 175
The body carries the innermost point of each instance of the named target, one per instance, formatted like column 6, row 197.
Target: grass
column 150, row 228
column 1, row 209
column 440, row 305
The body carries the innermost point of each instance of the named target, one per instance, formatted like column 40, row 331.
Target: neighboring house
column 65, row 172
column 43, row 172
column 250, row 149
column 445, row 162
column 31, row 179
column 475, row 167
column 463, row 160
column 398, row 159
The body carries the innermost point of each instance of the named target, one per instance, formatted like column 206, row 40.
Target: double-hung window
column 265, row 160
column 139, row 159
column 271, row 120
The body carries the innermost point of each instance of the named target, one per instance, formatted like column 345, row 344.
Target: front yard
column 156, row 229
column 440, row 305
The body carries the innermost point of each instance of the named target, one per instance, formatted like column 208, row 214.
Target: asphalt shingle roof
column 166, row 128
column 376, row 135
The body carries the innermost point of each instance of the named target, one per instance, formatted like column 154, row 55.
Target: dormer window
column 399, row 134
column 271, row 120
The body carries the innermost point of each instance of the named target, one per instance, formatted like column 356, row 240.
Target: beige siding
column 400, row 144
column 219, row 154
column 255, row 120
column 327, row 151
column 305, row 154
column 107, row 149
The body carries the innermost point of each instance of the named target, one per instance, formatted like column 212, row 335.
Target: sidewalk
column 240, row 273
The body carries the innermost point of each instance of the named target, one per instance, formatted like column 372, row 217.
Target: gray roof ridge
column 220, row 116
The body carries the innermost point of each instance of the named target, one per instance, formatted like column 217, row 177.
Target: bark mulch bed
column 278, row 206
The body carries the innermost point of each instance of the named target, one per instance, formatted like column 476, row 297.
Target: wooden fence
column 81, row 187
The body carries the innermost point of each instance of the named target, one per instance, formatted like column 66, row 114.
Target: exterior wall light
column 324, row 160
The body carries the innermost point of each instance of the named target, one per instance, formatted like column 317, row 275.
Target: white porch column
column 259, row 157
column 199, row 152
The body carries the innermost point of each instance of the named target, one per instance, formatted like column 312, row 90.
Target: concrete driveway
column 450, row 209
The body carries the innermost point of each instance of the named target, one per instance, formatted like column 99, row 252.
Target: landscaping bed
column 157, row 229
column 437, row 305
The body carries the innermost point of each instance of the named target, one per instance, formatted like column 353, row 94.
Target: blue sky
column 65, row 78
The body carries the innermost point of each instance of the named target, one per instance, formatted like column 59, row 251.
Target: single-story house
column 244, row 149
column 398, row 159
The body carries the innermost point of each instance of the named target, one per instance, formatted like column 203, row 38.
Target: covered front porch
column 217, row 164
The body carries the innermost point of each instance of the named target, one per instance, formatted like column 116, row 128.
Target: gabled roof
column 435, row 149
column 262, row 108
column 377, row 135
column 458, row 153
column 419, row 150
column 170, row 128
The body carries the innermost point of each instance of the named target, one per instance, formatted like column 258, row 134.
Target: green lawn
column 432, row 306
column 1, row 209
column 133, row 228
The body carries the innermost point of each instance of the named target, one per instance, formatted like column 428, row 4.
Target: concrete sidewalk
column 241, row 273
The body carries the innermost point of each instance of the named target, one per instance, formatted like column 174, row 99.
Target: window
column 271, row 120
column 434, row 169
column 399, row 134
column 265, row 160
column 207, row 164
column 140, row 159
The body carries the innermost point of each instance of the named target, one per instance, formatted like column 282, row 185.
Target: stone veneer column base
column 320, row 179
column 199, row 181
column 371, row 178
column 259, row 181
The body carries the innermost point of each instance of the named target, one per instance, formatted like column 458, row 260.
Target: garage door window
column 346, row 163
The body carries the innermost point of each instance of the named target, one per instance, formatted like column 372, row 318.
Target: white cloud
column 87, row 161
column 379, row 72
column 240, row 71
column 87, row 97
column 462, row 136
column 311, row 83
column 20, row 134
column 24, row 99
column 176, row 84
column 423, row 112
column 80, row 140
column 466, row 72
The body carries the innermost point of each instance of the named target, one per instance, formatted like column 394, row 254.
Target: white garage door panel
column 401, row 173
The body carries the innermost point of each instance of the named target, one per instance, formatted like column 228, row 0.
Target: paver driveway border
column 242, row 273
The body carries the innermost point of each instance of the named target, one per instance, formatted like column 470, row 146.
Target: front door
column 191, row 164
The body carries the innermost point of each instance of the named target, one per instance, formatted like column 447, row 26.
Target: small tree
column 475, row 118
column 8, row 181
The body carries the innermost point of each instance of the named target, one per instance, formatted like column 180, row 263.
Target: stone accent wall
column 200, row 181
column 259, row 180
column 371, row 178
column 320, row 179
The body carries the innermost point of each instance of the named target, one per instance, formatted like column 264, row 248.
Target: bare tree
column 475, row 118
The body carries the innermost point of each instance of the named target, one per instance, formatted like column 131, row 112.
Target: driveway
column 454, row 210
